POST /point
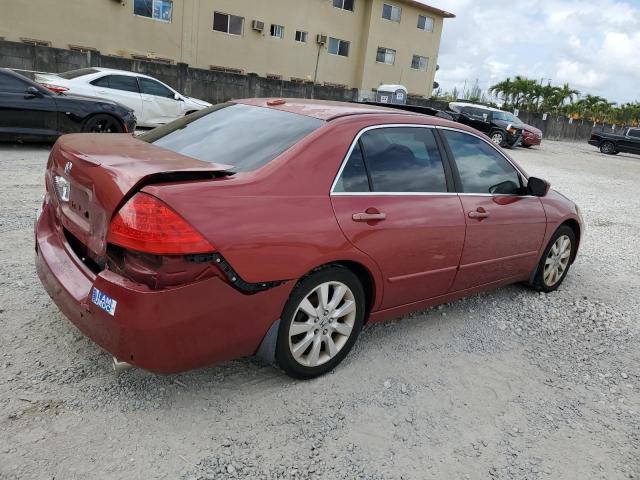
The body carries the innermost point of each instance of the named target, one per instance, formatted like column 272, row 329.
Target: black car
column 29, row 111
column 612, row 144
column 504, row 128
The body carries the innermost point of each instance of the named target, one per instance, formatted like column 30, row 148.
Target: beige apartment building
column 356, row 43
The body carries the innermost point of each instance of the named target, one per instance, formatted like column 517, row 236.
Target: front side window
column 244, row 136
column 391, row 13
column 344, row 4
column 277, row 31
column 394, row 160
column 425, row 23
column 156, row 9
column 118, row 82
column 151, row 87
column 226, row 23
column 301, row 36
column 338, row 47
column 482, row 169
column 386, row 55
column 419, row 63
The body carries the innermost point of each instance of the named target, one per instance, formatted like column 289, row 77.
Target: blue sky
column 592, row 44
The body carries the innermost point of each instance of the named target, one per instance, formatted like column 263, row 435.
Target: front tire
column 102, row 123
column 320, row 322
column 556, row 260
column 608, row 148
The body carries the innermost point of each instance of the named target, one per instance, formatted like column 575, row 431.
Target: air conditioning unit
column 321, row 39
column 257, row 25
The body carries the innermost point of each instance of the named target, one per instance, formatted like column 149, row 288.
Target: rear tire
column 102, row 123
column 498, row 138
column 320, row 322
column 556, row 260
column 608, row 148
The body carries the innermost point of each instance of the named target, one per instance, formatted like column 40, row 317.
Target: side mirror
column 177, row 96
column 538, row 187
column 32, row 92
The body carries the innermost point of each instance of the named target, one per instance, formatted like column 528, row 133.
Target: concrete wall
column 208, row 85
column 111, row 27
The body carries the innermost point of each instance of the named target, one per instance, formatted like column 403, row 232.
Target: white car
column 153, row 102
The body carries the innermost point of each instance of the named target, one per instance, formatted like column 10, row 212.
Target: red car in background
column 280, row 227
column 531, row 136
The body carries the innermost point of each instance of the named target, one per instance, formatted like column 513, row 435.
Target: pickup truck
column 612, row 144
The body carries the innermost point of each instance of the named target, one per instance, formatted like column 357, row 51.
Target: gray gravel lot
column 511, row 384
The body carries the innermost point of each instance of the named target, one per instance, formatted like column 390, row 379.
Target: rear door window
column 244, row 136
column 118, row 82
column 482, row 169
column 394, row 160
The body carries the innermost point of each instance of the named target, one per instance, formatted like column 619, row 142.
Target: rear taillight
column 55, row 88
column 146, row 224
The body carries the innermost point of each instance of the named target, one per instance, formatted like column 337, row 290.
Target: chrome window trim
column 333, row 193
column 353, row 145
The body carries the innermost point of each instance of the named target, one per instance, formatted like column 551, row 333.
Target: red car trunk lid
column 104, row 171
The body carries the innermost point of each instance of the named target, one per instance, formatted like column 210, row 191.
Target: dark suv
column 504, row 128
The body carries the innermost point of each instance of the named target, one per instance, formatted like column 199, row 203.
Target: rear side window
column 71, row 74
column 11, row 84
column 151, row 87
column 482, row 169
column 118, row 82
column 244, row 136
column 396, row 160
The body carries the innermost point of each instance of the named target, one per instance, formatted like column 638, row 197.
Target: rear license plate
column 104, row 301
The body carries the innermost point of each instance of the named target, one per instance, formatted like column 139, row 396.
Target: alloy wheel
column 322, row 324
column 557, row 261
column 497, row 138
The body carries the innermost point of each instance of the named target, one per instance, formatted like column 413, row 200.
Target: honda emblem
column 68, row 167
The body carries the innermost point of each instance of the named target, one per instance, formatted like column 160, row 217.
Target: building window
column 277, row 31
column 338, row 47
column 386, row 55
column 231, row 24
column 157, row 9
column 344, row 4
column 425, row 23
column 419, row 63
column 391, row 13
column 301, row 36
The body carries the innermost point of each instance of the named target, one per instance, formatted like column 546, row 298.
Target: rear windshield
column 244, row 136
column 71, row 74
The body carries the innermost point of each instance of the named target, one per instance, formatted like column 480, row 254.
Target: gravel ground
column 510, row 384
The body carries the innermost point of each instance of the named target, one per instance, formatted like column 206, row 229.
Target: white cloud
column 591, row 45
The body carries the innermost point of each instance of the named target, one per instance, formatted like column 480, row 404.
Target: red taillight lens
column 146, row 224
column 55, row 88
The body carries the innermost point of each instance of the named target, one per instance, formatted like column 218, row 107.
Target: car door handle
column 368, row 217
column 479, row 213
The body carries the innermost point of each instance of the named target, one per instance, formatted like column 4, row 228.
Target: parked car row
column 95, row 100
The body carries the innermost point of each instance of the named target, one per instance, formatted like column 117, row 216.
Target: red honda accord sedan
column 279, row 227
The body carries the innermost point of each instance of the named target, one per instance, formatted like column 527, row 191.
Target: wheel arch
column 575, row 226
column 95, row 114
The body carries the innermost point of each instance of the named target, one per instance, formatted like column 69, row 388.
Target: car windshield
column 244, row 136
column 71, row 74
